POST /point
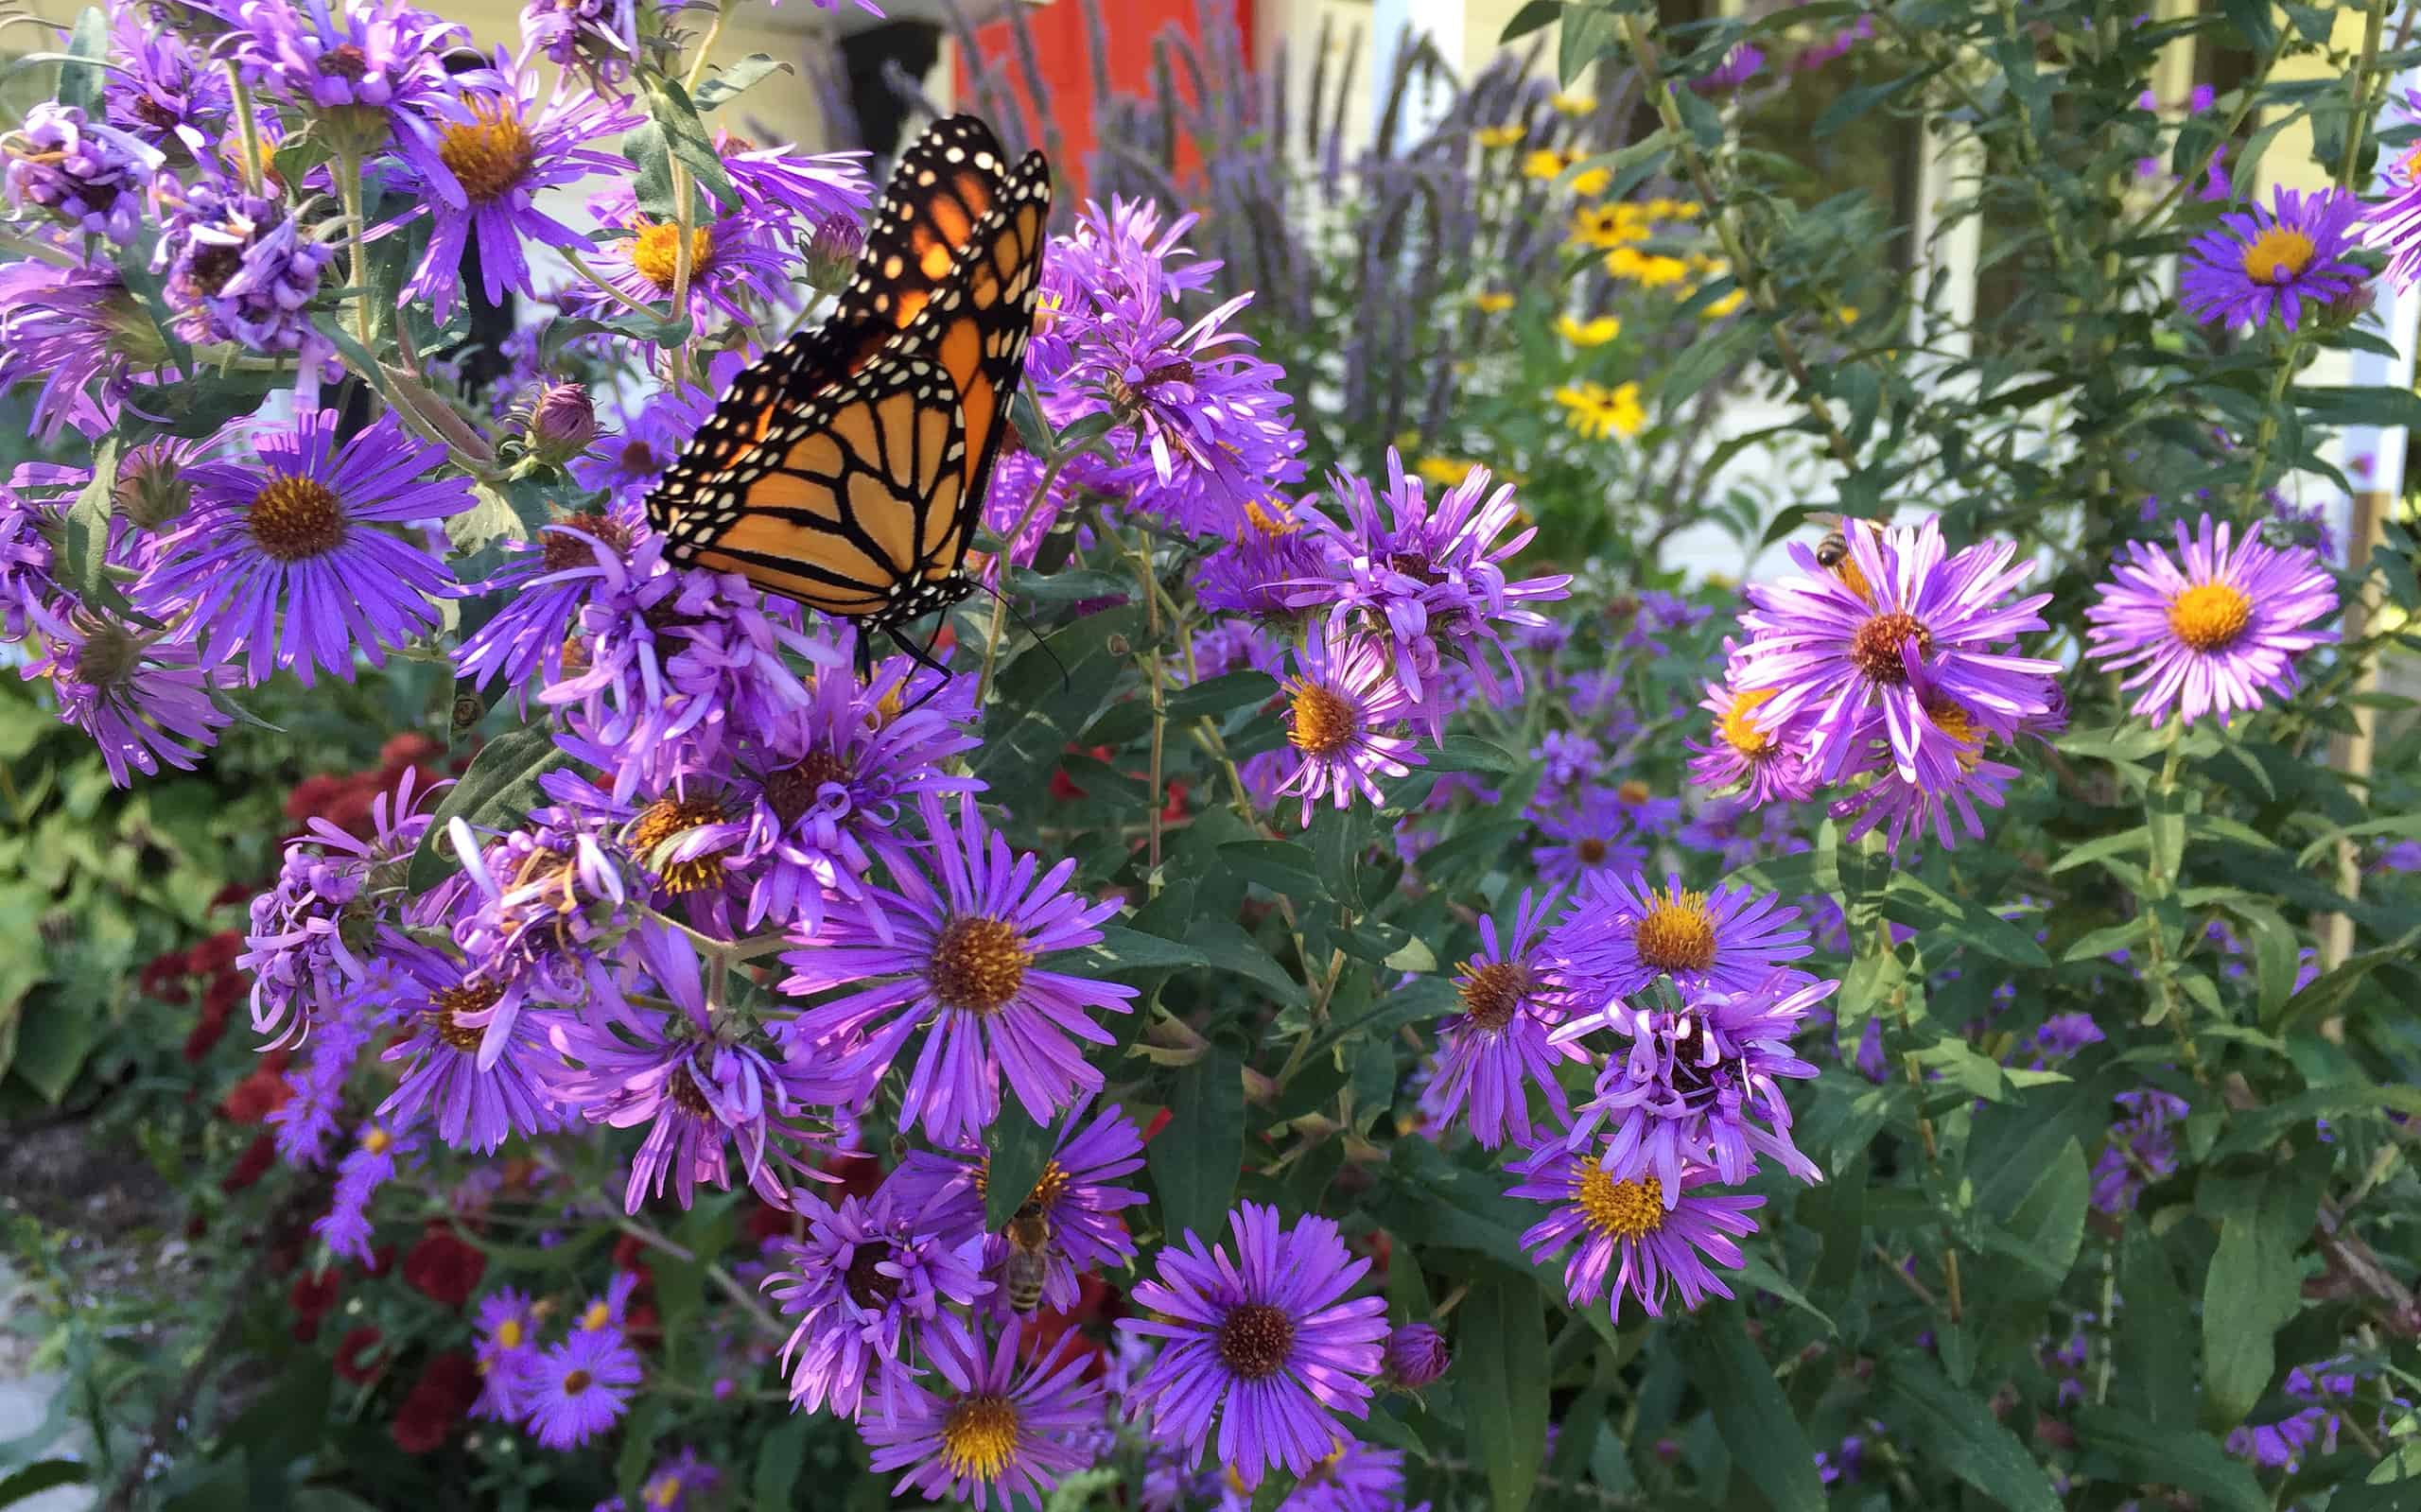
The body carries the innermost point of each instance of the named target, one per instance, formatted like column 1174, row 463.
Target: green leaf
column 1217, row 695
column 1469, row 753
column 1280, row 865
column 1537, row 16
column 1226, row 947
column 1756, row 1419
column 1501, row 1349
column 1958, row 1431
column 686, row 138
column 1588, row 35
column 83, row 563
column 498, row 791
column 2403, row 827
column 1911, row 900
column 491, row 518
column 1016, row 1151
column 1132, row 950
column 2156, row 1374
column 640, row 1430
column 80, row 81
column 778, row 1461
column 2254, row 1286
column 42, row 1475
column 730, row 84
column 2133, row 1452
column 2045, row 1230
column 56, row 1034
column 1853, row 103
column 1195, row 1159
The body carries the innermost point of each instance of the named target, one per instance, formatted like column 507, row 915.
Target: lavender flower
column 580, row 1387
column 1004, row 1433
column 1662, row 1237
column 2279, row 261
column 2209, row 630
column 140, row 696
column 372, row 70
column 1590, row 835
column 78, row 332
column 865, row 1284
column 372, row 1163
column 1764, row 765
column 162, row 90
column 481, row 1084
column 957, row 964
column 1622, row 933
column 88, row 176
column 241, row 269
column 1343, row 707
column 506, row 1354
column 284, row 562
column 1268, row 1342
column 1498, row 1046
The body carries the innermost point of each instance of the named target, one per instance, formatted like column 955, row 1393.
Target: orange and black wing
column 939, row 194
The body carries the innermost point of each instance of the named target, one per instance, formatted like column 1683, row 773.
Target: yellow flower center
column 377, row 1140
column 667, row 817
column 980, row 1436
column 491, row 156
column 2278, row 254
column 1618, row 1209
column 2210, row 615
column 1255, row 1340
column 1739, row 731
column 663, row 1491
column 448, row 1008
column 1956, row 723
column 978, row 965
column 508, row 1334
column 1493, row 993
column 598, row 1316
column 1632, row 792
column 1272, row 524
column 1494, row 301
column 1875, row 648
column 295, row 518
column 1322, row 720
column 1678, row 934
column 656, row 249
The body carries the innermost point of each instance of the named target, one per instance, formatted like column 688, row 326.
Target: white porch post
column 1396, row 25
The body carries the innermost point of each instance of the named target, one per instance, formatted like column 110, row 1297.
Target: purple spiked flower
column 1344, row 707
column 1622, row 933
column 580, row 1387
column 1492, row 1051
column 2209, row 630
column 476, row 1099
column 1268, row 1342
column 163, row 90
column 2283, row 260
column 345, row 1227
column 286, row 562
column 141, row 697
column 241, row 269
column 865, row 1283
column 1905, row 808
column 595, row 39
column 1847, row 656
column 1004, row 1433
column 957, row 965
column 90, row 177
column 1663, row 1238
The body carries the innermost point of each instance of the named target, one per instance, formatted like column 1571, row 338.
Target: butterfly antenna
column 1040, row 640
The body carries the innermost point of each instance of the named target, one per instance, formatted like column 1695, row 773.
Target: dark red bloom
column 259, row 1094
column 164, row 976
column 314, row 1294
column 444, row 1269
column 437, row 1402
column 209, row 1028
column 252, row 1165
column 216, row 954
column 357, row 1358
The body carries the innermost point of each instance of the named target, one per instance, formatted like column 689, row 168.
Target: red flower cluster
column 171, row 977
column 344, row 800
column 445, row 1269
column 437, row 1403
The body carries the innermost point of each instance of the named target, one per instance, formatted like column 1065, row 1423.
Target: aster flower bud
column 563, row 421
column 152, row 490
column 91, row 176
column 833, row 252
column 1416, row 1356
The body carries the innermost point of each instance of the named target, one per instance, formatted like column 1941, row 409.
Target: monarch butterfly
column 845, row 468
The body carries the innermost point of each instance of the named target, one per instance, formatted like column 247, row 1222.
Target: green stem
column 2357, row 119
column 1008, row 549
column 2267, row 433
column 248, row 129
column 349, row 186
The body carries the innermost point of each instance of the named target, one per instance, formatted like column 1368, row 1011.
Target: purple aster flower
column 1698, row 1079
column 1074, row 1204
column 548, row 581
column 1848, row 651
column 90, row 177
column 2065, row 1034
column 1664, row 1238
column 1417, row 1355
column 1343, row 710
column 1005, row 1433
column 329, row 884
column 300, row 532
column 316, row 1086
column 680, row 1484
column 162, row 90
column 595, row 39
column 1267, row 1341
column 2142, row 1147
column 1649, row 812
column 374, row 71
column 1739, row 65
column 1432, row 581
column 1568, row 759
column 580, row 1387
column 1490, row 1052
column 513, row 147
column 478, row 1087
column 1258, row 575
column 506, row 1354
column 1232, row 645
column 651, row 436
column 2306, row 525
column 80, row 334
column 957, row 964
column 699, row 1084
column 345, row 1227
column 241, row 269
column 1589, row 835
column 1903, row 807
column 2277, row 261
column 733, row 257
column 2207, row 632
column 1622, row 934
column 809, row 188
column 140, row 697
column 865, row 1284
column 1765, row 766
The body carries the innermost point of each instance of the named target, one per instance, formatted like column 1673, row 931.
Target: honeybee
column 1833, row 555
column 1833, row 550
column 1027, row 1265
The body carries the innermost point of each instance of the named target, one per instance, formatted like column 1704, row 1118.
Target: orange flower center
column 1678, row 934
column 667, row 817
column 2278, row 255
column 448, row 1008
column 1323, row 721
column 1493, row 993
column 2209, row 616
column 1875, row 648
column 1618, row 1209
column 1739, row 731
column 978, row 965
column 655, row 251
column 295, row 518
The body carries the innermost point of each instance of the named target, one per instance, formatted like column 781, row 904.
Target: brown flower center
column 1591, row 850
column 576, row 1382
column 211, row 267
column 1256, row 1340
column 1678, row 934
column 869, row 1288
column 683, row 1087
column 106, row 657
column 294, row 519
column 2209, row 616
column 1493, row 993
column 636, row 458
column 448, row 1008
column 792, row 791
column 345, row 61
column 1322, row 722
column 978, row 965
column 1875, row 648
column 563, row 552
column 491, row 156
column 667, row 818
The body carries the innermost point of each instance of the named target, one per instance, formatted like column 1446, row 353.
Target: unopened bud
column 1416, row 1355
column 562, row 422
column 833, row 252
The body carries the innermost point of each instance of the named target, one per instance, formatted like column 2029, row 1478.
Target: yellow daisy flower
column 1597, row 331
column 1723, row 306
column 1510, row 134
column 1604, row 226
column 1445, row 472
column 1573, row 104
column 1647, row 270
column 1544, row 162
column 1591, row 183
column 1494, row 301
column 1597, row 411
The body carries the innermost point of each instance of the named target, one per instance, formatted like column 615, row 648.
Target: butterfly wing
column 939, row 195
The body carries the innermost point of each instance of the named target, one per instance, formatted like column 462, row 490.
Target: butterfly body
column 847, row 468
